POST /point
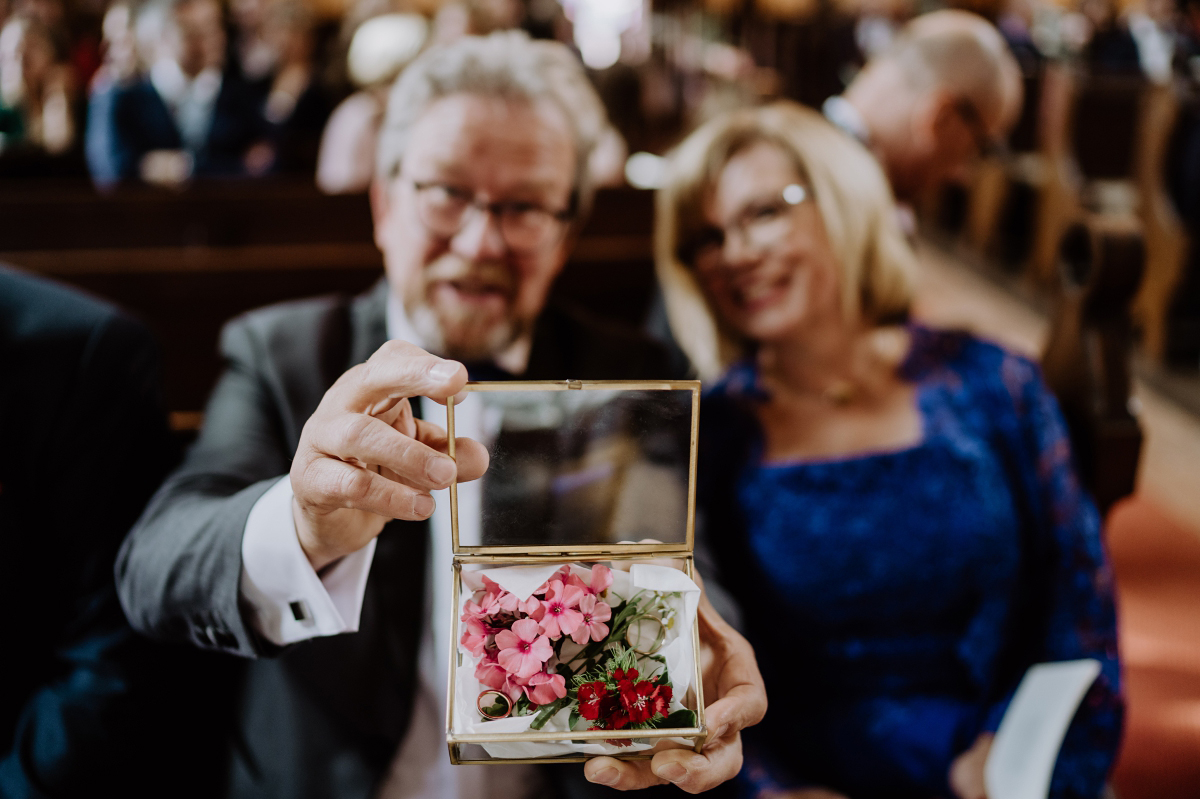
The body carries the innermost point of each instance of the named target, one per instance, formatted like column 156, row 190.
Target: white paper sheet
column 1022, row 758
column 521, row 581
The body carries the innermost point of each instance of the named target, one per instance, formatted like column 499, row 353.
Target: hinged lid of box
column 578, row 467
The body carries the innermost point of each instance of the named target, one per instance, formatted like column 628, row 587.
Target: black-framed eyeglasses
column 525, row 227
column 986, row 145
column 761, row 225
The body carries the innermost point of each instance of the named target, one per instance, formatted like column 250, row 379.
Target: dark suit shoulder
column 293, row 332
column 297, row 349
column 59, row 346
column 286, row 319
column 33, row 307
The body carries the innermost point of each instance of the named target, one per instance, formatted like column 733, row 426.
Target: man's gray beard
column 482, row 346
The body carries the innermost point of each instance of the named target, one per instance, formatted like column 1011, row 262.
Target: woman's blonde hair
column 854, row 199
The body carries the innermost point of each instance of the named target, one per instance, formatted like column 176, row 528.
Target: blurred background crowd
column 174, row 94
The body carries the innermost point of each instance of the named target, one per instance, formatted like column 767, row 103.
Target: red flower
column 621, row 674
column 636, row 699
column 617, row 718
column 660, row 701
column 592, row 696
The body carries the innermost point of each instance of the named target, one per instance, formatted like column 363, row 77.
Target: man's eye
column 443, row 195
column 454, row 194
column 521, row 209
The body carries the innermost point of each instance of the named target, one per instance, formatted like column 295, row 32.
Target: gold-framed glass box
column 574, row 629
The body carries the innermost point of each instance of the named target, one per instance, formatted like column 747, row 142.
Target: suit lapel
column 368, row 323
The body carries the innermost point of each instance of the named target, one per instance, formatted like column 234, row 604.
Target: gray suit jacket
column 324, row 717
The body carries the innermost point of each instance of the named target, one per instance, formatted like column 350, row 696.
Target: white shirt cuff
column 288, row 600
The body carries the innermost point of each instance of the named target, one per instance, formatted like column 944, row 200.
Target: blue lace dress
column 895, row 599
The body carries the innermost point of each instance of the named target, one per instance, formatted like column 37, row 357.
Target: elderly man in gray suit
column 294, row 534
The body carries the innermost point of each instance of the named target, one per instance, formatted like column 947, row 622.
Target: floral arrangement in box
column 568, row 647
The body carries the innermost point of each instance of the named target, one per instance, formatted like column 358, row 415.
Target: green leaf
column 678, row 720
column 547, row 712
column 574, row 718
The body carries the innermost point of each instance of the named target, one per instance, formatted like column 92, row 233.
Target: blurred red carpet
column 1157, row 564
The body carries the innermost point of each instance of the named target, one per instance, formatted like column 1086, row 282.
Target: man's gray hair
column 960, row 52
column 506, row 64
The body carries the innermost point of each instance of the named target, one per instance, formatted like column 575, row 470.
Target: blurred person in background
column 75, row 24
column 1016, row 24
column 50, row 13
column 877, row 24
column 1187, row 43
column 36, row 90
column 88, row 708
column 1110, row 47
column 1155, row 27
column 944, row 93
column 256, row 548
column 251, row 53
column 903, row 496
column 187, row 116
column 381, row 48
column 458, row 18
column 296, row 107
column 118, row 70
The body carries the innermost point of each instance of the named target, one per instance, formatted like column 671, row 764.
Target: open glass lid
column 577, row 466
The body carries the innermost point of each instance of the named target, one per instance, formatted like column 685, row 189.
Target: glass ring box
column 574, row 625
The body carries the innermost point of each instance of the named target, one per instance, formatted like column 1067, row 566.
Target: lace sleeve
column 1079, row 619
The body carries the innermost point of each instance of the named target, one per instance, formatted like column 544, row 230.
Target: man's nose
column 480, row 238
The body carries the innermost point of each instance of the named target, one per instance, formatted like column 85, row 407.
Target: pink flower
column 522, row 650
column 543, row 688
column 503, row 599
column 561, row 576
column 493, row 675
column 601, row 580
column 594, row 613
column 475, row 635
column 481, row 610
column 558, row 614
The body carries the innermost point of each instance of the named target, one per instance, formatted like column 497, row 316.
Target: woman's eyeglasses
column 525, row 226
column 760, row 225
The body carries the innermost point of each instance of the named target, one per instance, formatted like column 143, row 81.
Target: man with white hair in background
column 296, row 534
column 946, row 92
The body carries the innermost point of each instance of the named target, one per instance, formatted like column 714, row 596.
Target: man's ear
column 944, row 117
column 930, row 119
column 381, row 205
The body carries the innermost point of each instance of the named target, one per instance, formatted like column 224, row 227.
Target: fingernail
column 440, row 470
column 719, row 734
column 443, row 371
column 672, row 771
column 423, row 505
column 608, row 776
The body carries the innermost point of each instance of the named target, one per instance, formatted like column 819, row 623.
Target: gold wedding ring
column 498, row 698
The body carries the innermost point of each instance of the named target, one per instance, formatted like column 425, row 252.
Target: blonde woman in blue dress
column 894, row 506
